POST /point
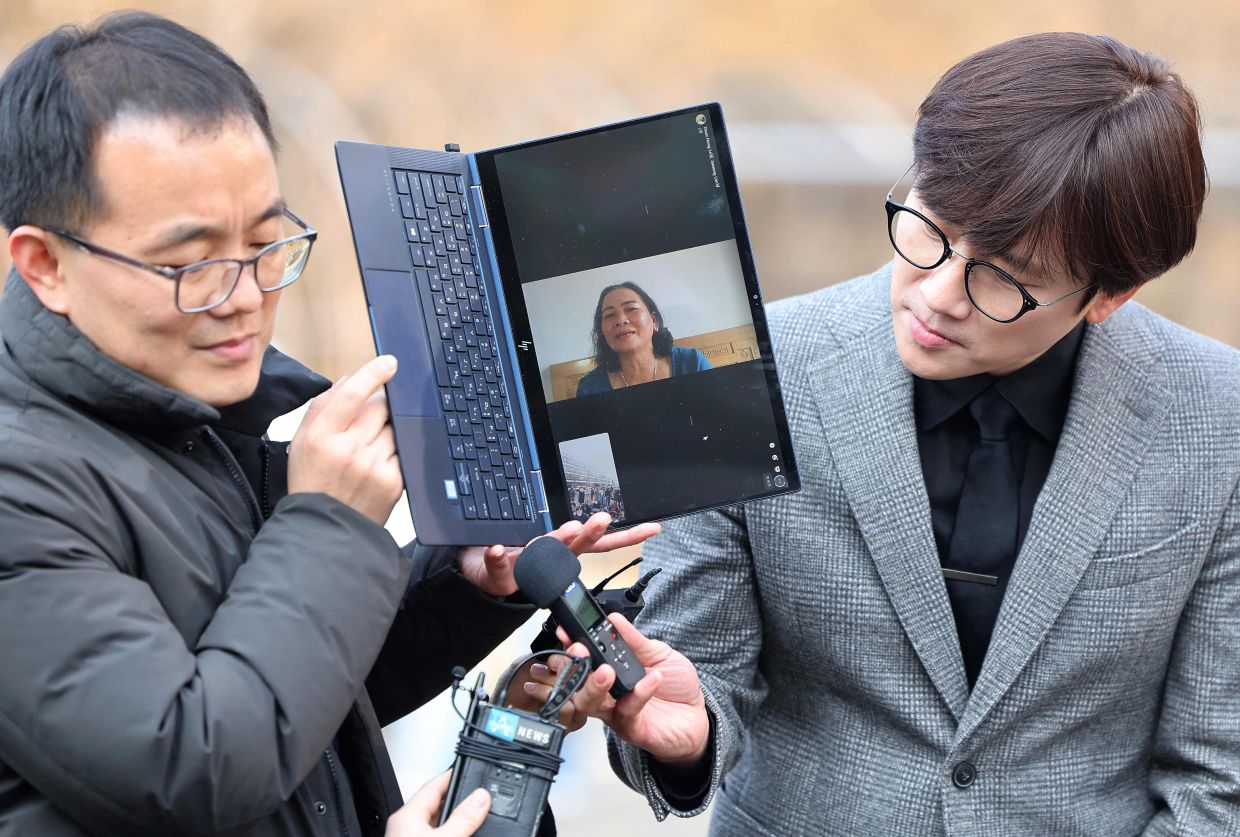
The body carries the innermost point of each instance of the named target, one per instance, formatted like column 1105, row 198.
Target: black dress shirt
column 947, row 435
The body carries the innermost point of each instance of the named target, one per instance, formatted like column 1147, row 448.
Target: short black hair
column 661, row 340
column 1075, row 148
column 64, row 90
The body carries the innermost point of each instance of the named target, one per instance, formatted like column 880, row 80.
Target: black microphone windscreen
column 544, row 570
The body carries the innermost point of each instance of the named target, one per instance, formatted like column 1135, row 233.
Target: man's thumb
column 468, row 816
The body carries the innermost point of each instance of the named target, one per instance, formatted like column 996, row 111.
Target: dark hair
column 604, row 355
column 1071, row 148
column 59, row 96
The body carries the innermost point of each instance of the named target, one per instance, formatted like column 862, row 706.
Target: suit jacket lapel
column 865, row 397
column 1118, row 406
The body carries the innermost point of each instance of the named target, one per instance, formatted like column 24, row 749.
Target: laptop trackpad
column 396, row 317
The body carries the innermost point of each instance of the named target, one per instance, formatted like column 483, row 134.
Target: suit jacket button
column 964, row 774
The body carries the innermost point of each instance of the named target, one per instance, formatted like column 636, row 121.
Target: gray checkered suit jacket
column 1109, row 703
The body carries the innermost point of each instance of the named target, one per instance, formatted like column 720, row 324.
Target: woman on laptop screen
column 632, row 345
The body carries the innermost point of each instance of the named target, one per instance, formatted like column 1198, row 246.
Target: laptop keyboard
column 490, row 480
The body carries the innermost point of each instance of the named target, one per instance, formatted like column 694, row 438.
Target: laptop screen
column 635, row 306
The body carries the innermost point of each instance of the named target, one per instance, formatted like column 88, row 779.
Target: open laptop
column 523, row 397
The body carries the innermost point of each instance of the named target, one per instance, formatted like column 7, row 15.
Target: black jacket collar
column 60, row 359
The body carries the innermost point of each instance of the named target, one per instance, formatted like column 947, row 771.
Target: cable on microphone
column 627, row 601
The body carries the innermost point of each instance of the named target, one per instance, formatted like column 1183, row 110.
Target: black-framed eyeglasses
column 204, row 285
column 992, row 290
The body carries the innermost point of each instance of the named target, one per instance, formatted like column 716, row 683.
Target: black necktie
column 983, row 540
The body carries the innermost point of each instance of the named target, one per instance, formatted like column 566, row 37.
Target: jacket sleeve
column 443, row 621
column 128, row 726
column 705, row 605
column 1195, row 770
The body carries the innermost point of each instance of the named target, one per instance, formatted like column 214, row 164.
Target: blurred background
column 820, row 99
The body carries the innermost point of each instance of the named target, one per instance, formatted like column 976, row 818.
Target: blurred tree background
column 820, row 99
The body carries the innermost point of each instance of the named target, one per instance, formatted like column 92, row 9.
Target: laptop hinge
column 481, row 204
column 540, row 495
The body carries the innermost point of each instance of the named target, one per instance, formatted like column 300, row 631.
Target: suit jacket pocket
column 730, row 819
column 1158, row 559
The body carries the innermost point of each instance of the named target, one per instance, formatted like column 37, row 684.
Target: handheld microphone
column 628, row 601
column 547, row 574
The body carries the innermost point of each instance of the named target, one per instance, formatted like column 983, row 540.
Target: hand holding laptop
column 491, row 568
column 345, row 448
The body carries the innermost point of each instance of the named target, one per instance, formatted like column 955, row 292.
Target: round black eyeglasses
column 204, row 285
column 992, row 290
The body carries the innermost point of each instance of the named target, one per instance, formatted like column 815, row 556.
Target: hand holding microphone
column 663, row 711
column 548, row 574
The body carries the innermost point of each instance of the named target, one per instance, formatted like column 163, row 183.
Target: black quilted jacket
column 184, row 649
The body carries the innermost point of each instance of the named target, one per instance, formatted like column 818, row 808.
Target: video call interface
column 621, row 256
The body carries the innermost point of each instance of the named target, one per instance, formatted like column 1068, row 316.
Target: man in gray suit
column 1007, row 599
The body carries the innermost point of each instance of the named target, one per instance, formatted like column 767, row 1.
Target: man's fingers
column 496, row 560
column 637, row 642
column 569, row 715
column 556, row 662
column 627, row 537
column 320, row 401
column 593, row 698
column 468, row 816
column 371, row 418
column 384, row 445
column 600, row 680
column 574, row 649
column 351, row 396
column 429, row 797
column 566, row 532
column 499, row 578
column 590, row 532
column 593, row 537
column 424, row 807
column 631, row 705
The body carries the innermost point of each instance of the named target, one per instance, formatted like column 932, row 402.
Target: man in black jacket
column 202, row 631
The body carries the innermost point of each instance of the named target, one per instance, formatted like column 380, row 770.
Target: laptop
column 579, row 328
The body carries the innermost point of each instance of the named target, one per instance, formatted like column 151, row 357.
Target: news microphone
column 627, row 601
column 547, row 574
